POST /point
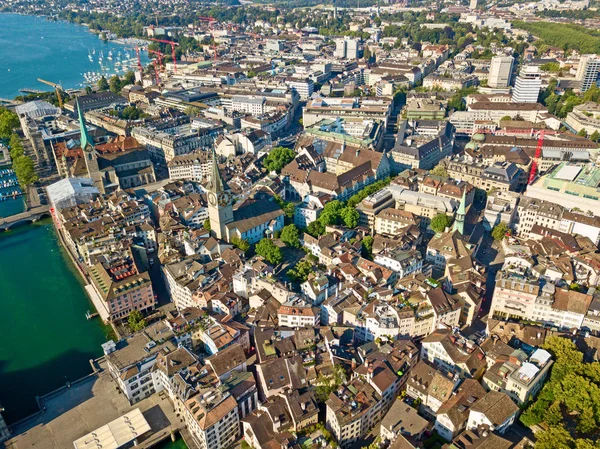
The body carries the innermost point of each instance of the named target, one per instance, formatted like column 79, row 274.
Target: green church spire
column 85, row 139
column 459, row 223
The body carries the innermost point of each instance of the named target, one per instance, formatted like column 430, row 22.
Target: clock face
column 224, row 199
column 212, row 199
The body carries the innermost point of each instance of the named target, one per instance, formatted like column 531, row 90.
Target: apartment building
column 122, row 288
column 453, row 353
column 391, row 221
column 521, row 377
column 514, row 296
column 194, row 166
column 298, row 315
column 131, row 361
column 212, row 418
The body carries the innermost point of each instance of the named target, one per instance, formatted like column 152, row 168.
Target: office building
column 587, row 71
column 346, row 48
column 528, row 85
column 500, row 71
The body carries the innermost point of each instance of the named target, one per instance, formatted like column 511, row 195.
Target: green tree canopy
column 349, row 216
column 278, row 158
column 315, row 228
column 271, row 252
column 136, row 321
column 440, row 222
column 290, row 235
column 367, row 246
column 440, row 170
column 330, row 215
column 103, row 84
column 240, row 243
column 499, row 231
column 301, row 271
column 8, row 122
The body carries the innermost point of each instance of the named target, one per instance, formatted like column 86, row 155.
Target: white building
column 346, row 47
column 587, row 71
column 528, row 85
column 500, row 71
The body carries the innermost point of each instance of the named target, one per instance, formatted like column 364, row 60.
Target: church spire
column 85, row 138
column 459, row 223
column 216, row 183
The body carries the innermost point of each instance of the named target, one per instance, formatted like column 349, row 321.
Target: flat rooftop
column 72, row 413
column 116, row 433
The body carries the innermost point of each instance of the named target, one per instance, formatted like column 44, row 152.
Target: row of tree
column 21, row 163
column 562, row 35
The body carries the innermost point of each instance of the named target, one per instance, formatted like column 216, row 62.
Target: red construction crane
column 139, row 60
column 536, row 157
column 173, row 45
column 159, row 58
column 211, row 24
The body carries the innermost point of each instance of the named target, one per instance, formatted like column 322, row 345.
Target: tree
column 115, row 84
column 8, row 122
column 349, row 216
column 278, row 158
column 240, row 243
column 271, row 252
column 290, row 235
column 315, row 228
column 25, row 171
column 499, row 231
column 582, row 132
column 103, row 84
column 301, row 271
column 505, row 118
column 595, row 136
column 440, row 222
column 367, row 246
column 440, row 170
column 136, row 321
column 330, row 215
column 553, row 438
column 206, row 225
column 192, row 110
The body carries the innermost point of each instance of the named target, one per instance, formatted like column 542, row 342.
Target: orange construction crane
column 173, row 45
column 57, row 89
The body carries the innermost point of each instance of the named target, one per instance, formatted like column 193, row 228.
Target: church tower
column 89, row 153
column 461, row 213
column 220, row 201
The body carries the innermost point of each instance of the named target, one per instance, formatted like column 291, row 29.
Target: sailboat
column 90, row 57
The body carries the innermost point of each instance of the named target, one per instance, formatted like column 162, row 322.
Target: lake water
column 34, row 47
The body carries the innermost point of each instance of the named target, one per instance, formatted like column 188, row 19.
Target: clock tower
column 220, row 201
column 89, row 152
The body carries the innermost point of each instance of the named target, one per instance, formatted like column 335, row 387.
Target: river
column 46, row 339
column 34, row 47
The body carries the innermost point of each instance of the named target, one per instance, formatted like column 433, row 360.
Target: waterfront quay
column 81, row 407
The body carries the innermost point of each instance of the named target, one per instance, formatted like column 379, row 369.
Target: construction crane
column 159, row 59
column 211, row 24
column 536, row 157
column 173, row 45
column 57, row 89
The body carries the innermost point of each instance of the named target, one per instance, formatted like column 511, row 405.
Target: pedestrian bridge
column 30, row 216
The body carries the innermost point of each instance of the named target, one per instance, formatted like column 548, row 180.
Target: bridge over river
column 30, row 216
